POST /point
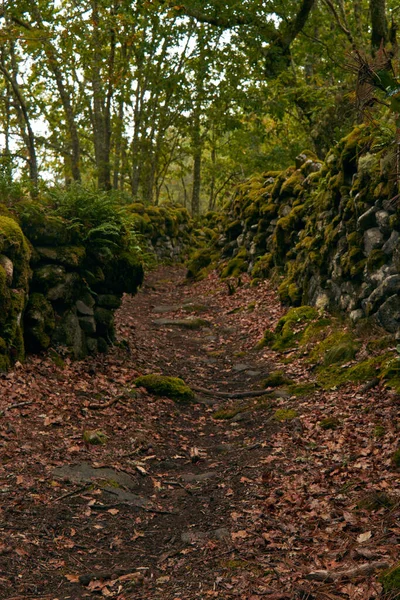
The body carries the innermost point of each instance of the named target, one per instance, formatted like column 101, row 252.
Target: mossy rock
column 15, row 246
column 70, row 256
column 390, row 580
column 39, row 320
column 170, row 387
column 291, row 326
column 276, row 379
column 285, row 414
column 200, row 261
column 263, row 266
column 224, row 414
column 235, row 267
column 124, row 273
column 339, row 347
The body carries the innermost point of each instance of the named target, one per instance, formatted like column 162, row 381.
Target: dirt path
column 179, row 505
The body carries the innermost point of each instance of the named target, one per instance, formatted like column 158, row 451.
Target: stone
column 239, row 367
column 70, row 334
column 373, row 239
column 88, row 325
column 191, row 537
column 389, row 286
column 8, row 267
column 117, row 483
column 49, row 276
column 91, row 344
column 221, row 534
column 389, row 246
column 109, row 301
column 189, row 323
column 388, row 314
column 300, row 160
column 367, row 219
column 382, row 219
column 356, row 315
column 84, row 309
column 67, row 290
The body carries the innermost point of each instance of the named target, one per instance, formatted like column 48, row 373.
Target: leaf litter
column 239, row 508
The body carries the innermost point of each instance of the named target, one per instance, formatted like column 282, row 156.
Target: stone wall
column 329, row 232
column 60, row 288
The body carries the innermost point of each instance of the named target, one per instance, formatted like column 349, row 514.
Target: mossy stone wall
column 329, row 230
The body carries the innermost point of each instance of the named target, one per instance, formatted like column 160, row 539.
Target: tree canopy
column 171, row 101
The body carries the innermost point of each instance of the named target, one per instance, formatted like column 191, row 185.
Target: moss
column 329, row 423
column 339, row 347
column 171, row 387
column 375, row 260
column 5, row 363
column 235, row 267
column 334, row 376
column 123, row 273
column 233, row 230
column 390, row 579
column 276, row 379
column 267, row 340
column 285, row 414
column 200, row 260
column 290, row 327
column 262, row 267
column 39, row 323
column 302, row 389
column 396, row 458
column 293, row 186
column 379, row 431
column 314, row 332
column 229, row 413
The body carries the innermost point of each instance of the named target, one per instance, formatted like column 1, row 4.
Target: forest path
column 179, row 505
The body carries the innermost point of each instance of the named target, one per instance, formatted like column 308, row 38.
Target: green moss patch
column 170, row 387
column 390, row 579
column 285, row 414
column 339, row 347
column 276, row 379
column 291, row 327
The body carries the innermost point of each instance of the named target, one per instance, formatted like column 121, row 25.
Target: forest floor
column 179, row 505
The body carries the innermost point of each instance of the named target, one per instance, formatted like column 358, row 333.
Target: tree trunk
column 379, row 25
column 26, row 127
column 197, row 155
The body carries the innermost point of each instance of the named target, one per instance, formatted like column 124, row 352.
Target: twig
column 19, row 404
column 69, row 494
column 332, row 576
column 228, row 395
column 86, row 579
column 145, row 508
column 101, row 405
column 178, row 484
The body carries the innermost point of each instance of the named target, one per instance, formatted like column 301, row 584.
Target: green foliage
column 98, row 218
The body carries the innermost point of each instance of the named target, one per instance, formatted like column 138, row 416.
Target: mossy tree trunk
column 379, row 25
